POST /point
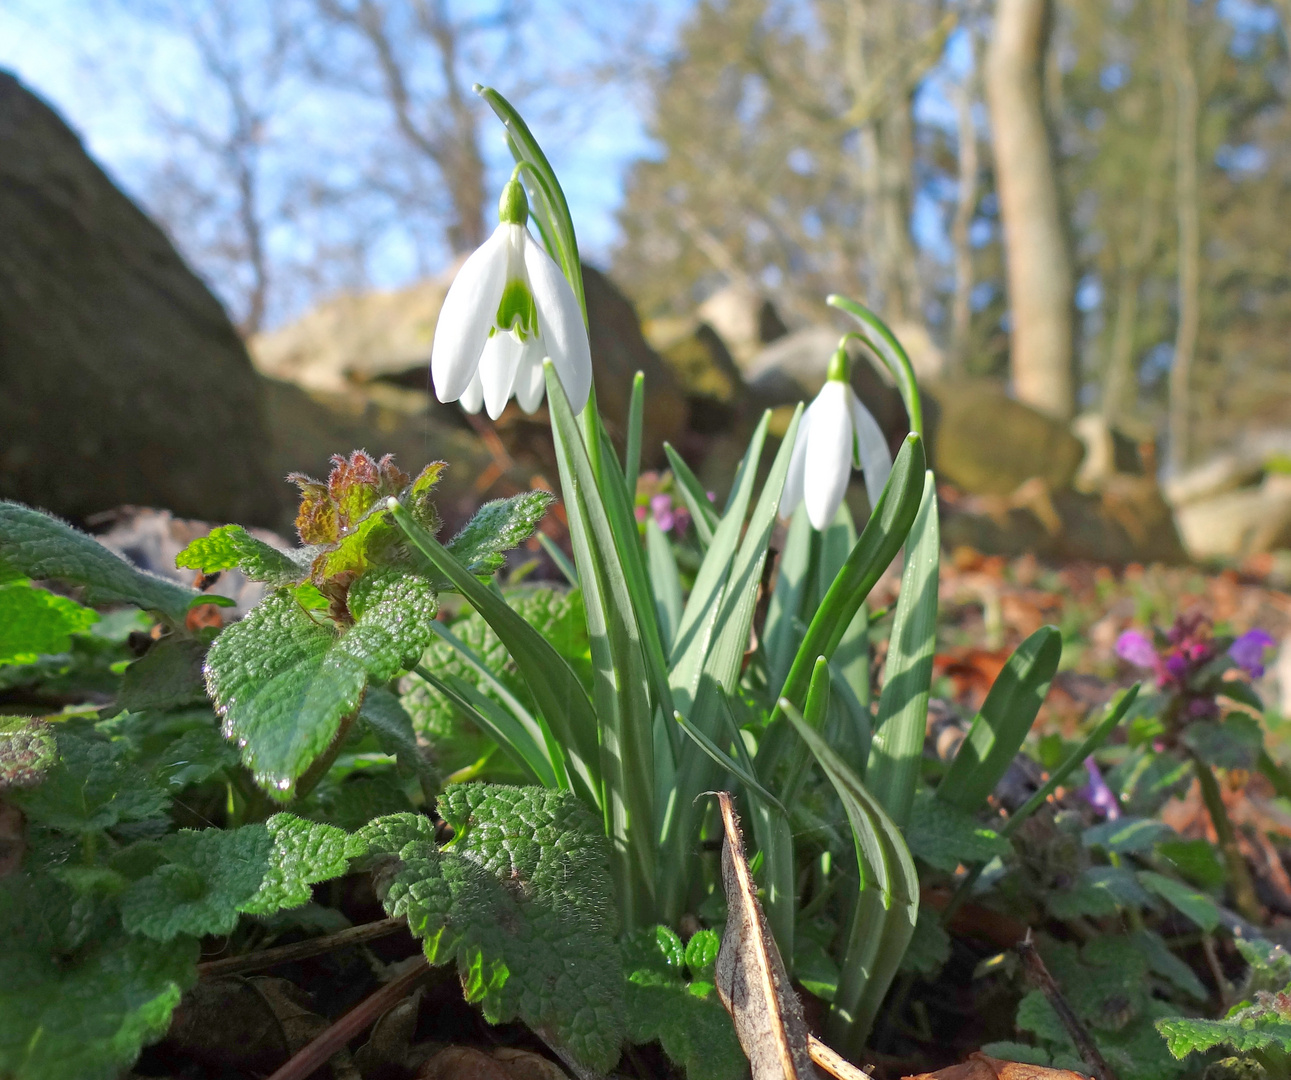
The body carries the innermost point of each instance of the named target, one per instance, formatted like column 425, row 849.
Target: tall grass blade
column 897, row 747
column 556, row 690
column 665, row 582
column 999, row 729
column 621, row 686
column 702, row 511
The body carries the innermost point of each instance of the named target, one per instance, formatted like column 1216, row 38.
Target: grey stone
column 122, row 379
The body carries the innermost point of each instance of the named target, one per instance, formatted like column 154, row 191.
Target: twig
column 833, row 1062
column 366, row 1012
column 300, row 950
column 1044, row 982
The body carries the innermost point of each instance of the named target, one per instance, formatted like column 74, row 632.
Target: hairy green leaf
column 521, row 899
column 496, row 528
column 93, row 786
column 1234, row 744
column 167, row 676
column 79, row 1006
column 207, row 878
column 1198, row 907
column 231, row 547
column 35, row 623
column 35, row 545
column 1127, row 835
column 283, row 681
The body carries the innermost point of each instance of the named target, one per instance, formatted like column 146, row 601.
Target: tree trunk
column 961, row 312
column 1040, row 276
column 1188, row 213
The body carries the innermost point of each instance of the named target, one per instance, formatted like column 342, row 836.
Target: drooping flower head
column 1248, row 651
column 507, row 309
column 836, row 434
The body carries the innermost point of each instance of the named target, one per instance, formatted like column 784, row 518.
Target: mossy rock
column 985, row 443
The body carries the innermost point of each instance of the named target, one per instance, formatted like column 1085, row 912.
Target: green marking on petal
column 516, row 310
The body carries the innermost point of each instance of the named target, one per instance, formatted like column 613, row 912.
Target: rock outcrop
column 121, row 378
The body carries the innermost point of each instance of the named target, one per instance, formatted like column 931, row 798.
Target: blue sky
column 82, row 56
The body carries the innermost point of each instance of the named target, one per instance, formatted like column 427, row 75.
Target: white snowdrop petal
column 466, row 317
column 529, row 384
column 472, row 399
column 791, row 494
column 828, row 464
column 497, row 371
column 560, row 321
column 871, row 448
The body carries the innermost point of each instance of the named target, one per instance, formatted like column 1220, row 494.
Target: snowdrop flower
column 507, row 309
column 835, row 434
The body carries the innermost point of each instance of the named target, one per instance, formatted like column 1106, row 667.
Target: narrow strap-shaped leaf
column 998, row 731
column 539, row 733
column 620, row 680
column 722, row 758
column 699, row 617
column 496, row 723
column 885, row 914
column 622, row 520
column 780, row 634
column 556, row 690
column 877, row 335
column 740, row 596
column 1076, row 758
column 897, row 748
column 636, row 420
column 879, row 542
column 559, row 558
column 665, row 583
column 702, row 512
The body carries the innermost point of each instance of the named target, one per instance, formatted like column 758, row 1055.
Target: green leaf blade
column 35, row 545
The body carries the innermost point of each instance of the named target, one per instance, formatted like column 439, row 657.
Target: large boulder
column 363, row 344
column 1237, row 524
column 121, row 378
column 986, row 443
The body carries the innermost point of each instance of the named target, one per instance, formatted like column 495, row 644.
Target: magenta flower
column 1137, row 649
column 1248, row 651
column 661, row 508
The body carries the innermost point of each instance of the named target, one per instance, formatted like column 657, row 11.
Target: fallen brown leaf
column 983, row 1067
column 751, row 979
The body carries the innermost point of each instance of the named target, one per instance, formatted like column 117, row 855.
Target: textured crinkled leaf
column 1270, row 964
column 304, row 853
column 27, row 750
column 283, row 680
column 231, row 547
column 944, row 836
column 521, row 898
column 496, row 528
column 1195, row 860
column 92, row 787
column 35, row 545
column 1262, row 1026
column 79, row 1009
column 1105, row 983
column 354, row 801
column 35, row 622
column 686, row 1019
column 211, row 876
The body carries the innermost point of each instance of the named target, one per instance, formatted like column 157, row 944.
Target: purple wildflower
column 1098, row 794
column 1248, row 651
column 661, row 508
column 1136, row 649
